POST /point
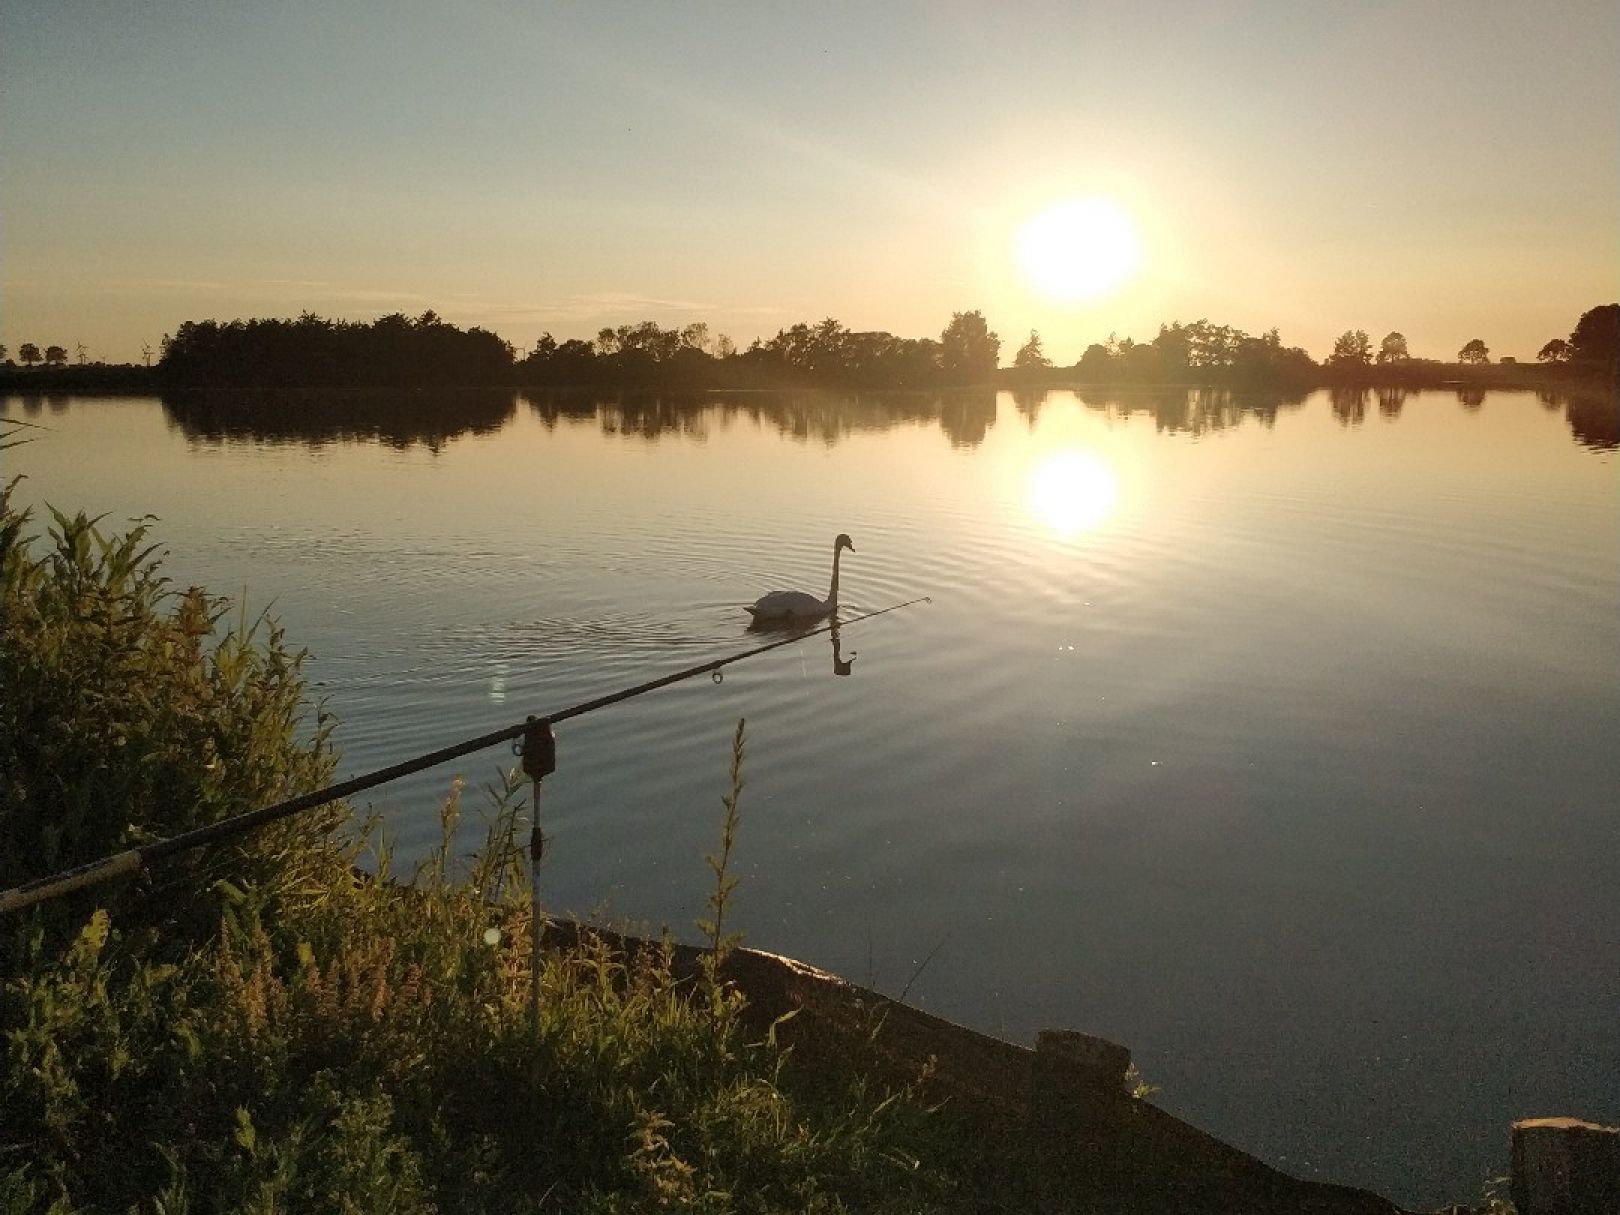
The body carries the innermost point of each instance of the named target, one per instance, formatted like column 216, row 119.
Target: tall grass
column 722, row 942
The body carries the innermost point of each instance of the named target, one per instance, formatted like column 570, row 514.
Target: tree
column 55, row 356
column 1211, row 346
column 1097, row 363
column 1596, row 338
column 828, row 342
column 2, row 354
column 968, row 350
column 1555, row 351
column 1393, row 348
column 724, row 347
column 1172, row 347
column 1352, row 348
column 696, row 336
column 1030, row 356
column 1475, row 352
column 146, row 353
column 28, row 353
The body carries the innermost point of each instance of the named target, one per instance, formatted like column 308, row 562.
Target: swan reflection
column 841, row 665
column 1072, row 491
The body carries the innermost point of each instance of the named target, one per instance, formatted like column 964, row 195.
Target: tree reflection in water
column 1594, row 420
column 1193, row 411
column 396, row 418
column 401, row 419
column 1349, row 405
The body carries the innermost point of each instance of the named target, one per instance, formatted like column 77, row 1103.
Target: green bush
column 133, row 711
column 272, row 1032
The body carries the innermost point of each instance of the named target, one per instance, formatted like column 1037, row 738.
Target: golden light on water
column 1072, row 491
column 1080, row 249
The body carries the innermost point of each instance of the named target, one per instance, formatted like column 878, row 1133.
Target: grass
column 260, row 1028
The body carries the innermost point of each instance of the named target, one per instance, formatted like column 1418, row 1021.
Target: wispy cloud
column 164, row 284
column 598, row 305
column 370, row 295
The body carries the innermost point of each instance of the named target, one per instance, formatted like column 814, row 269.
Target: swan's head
column 843, row 541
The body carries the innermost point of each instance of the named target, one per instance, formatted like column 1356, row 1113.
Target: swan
column 800, row 605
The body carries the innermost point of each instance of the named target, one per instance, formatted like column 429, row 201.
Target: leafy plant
column 721, row 942
column 134, row 711
column 278, row 1031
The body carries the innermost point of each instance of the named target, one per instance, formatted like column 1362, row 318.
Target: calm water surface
column 1280, row 748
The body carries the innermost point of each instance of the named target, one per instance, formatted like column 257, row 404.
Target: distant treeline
column 398, row 351
column 312, row 352
column 1200, row 353
column 1206, row 354
column 394, row 351
column 80, row 378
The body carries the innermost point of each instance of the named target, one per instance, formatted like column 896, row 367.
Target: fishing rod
column 94, row 872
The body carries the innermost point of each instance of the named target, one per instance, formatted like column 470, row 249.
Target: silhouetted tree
column 55, row 356
column 1030, row 356
column 1171, row 351
column 724, row 347
column 1209, row 346
column 968, row 350
column 1352, row 348
column 1393, row 348
column 1474, row 352
column 146, row 353
column 2, row 354
column 696, row 336
column 573, row 363
column 1265, row 360
column 1140, row 361
column 1201, row 352
column 312, row 352
column 1096, row 364
column 1596, row 339
column 28, row 353
column 1555, row 351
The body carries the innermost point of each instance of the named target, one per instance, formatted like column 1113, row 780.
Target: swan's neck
column 832, row 592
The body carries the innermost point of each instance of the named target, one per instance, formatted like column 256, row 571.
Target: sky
column 1447, row 170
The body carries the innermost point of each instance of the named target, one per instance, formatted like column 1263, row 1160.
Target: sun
column 1072, row 491
column 1080, row 249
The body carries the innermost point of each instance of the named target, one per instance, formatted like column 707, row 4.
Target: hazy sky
column 1451, row 170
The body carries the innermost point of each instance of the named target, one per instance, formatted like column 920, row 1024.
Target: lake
column 1273, row 740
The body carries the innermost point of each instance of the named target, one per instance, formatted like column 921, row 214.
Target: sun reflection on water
column 1072, row 491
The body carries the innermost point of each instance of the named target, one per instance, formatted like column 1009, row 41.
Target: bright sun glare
column 1080, row 249
column 1072, row 491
